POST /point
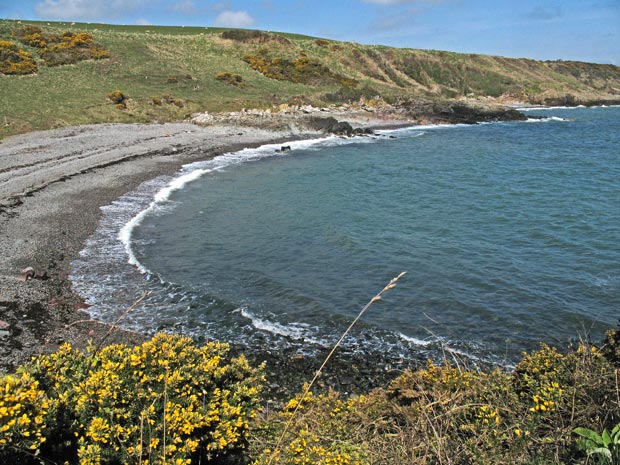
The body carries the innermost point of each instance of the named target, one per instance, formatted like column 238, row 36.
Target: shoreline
column 54, row 183
column 50, row 200
column 57, row 208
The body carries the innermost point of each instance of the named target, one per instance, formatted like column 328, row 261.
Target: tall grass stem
column 376, row 298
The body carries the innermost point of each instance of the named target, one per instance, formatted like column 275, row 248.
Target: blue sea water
column 509, row 234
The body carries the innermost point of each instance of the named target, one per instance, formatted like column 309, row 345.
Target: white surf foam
column 538, row 108
column 193, row 171
column 546, row 119
column 414, row 340
column 297, row 331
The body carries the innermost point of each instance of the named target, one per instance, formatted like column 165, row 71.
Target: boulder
column 330, row 125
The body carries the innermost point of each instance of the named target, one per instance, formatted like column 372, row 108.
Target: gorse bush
column 301, row 69
column 71, row 48
column 117, row 96
column 452, row 414
column 14, row 60
column 253, row 36
column 231, row 79
column 119, row 99
column 23, row 415
column 166, row 401
column 611, row 346
column 320, row 434
column 63, row 49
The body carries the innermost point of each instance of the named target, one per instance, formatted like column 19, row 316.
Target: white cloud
column 143, row 22
column 186, row 7
column 85, row 9
column 234, row 19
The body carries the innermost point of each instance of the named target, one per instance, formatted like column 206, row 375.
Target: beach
column 52, row 185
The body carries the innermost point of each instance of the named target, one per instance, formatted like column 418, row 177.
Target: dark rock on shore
column 331, row 125
column 37, row 316
column 347, row 372
column 570, row 100
column 450, row 112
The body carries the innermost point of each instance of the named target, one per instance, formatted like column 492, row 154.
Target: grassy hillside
column 170, row 72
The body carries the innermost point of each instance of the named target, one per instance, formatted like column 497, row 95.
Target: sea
column 509, row 234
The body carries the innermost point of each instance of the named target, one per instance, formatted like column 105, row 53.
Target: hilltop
column 170, row 73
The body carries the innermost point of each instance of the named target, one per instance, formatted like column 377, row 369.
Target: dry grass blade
column 377, row 298
column 121, row 318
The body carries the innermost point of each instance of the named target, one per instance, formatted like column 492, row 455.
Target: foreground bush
column 451, row 414
column 163, row 402
column 23, row 414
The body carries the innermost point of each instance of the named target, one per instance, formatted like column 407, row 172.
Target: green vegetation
column 605, row 447
column 451, row 414
column 230, row 78
column 163, row 402
column 76, row 65
column 14, row 60
column 169, row 402
column 63, row 49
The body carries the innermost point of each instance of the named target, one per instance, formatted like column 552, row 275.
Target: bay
column 508, row 233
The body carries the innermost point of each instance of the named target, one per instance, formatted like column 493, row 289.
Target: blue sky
column 586, row 30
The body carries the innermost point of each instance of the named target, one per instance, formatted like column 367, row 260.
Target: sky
column 584, row 30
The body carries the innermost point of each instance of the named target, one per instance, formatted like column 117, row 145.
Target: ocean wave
column 538, row 108
column 160, row 197
column 194, row 171
column 295, row 330
column 547, row 119
column 414, row 340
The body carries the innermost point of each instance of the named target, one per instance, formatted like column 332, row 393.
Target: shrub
column 454, row 414
column 170, row 100
column 232, row 79
column 117, row 97
column 163, row 402
column 301, row 69
column 611, row 346
column 322, row 437
column 68, row 48
column 253, row 36
column 14, row 60
column 30, row 35
column 23, row 417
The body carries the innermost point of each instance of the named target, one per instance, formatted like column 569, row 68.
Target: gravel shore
column 52, row 185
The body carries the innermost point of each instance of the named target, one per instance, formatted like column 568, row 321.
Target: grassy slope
column 144, row 58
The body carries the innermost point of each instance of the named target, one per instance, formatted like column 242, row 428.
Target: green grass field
column 180, row 64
